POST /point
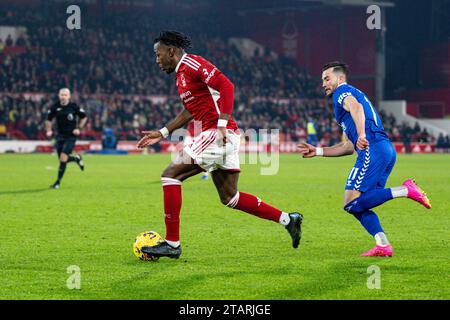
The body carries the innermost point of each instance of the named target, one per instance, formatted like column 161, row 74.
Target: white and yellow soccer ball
column 146, row 239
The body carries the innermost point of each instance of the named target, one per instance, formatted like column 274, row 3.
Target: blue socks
column 360, row 208
column 368, row 200
column 370, row 222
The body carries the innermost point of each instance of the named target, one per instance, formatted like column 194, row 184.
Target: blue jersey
column 374, row 128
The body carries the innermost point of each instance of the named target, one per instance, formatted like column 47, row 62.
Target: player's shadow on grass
column 181, row 285
column 23, row 191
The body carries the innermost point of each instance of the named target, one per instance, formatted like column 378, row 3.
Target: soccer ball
column 146, row 239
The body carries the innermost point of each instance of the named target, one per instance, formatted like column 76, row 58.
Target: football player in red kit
column 207, row 96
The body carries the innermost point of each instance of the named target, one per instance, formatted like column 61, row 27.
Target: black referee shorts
column 65, row 145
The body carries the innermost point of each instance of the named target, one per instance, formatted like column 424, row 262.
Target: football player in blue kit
column 376, row 156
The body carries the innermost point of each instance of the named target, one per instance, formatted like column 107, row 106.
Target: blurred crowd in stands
column 23, row 117
column 110, row 67
column 117, row 57
column 404, row 132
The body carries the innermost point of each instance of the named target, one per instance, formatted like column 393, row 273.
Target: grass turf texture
column 91, row 222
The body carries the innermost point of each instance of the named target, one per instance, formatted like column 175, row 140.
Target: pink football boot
column 379, row 251
column 416, row 194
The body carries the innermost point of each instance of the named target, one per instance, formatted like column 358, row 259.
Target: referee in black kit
column 66, row 114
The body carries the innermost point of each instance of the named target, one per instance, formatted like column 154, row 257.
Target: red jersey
column 204, row 91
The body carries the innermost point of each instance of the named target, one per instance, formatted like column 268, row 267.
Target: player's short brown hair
column 338, row 66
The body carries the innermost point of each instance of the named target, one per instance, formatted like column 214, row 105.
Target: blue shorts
column 373, row 167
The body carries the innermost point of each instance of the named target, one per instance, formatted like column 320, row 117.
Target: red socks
column 241, row 201
column 172, row 207
column 253, row 205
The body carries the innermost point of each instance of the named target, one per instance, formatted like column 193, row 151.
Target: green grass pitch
column 92, row 220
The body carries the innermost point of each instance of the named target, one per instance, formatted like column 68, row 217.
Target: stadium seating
column 110, row 68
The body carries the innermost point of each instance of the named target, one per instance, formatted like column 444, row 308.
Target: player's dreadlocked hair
column 174, row 38
column 337, row 66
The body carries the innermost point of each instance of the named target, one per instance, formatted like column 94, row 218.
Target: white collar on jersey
column 179, row 62
column 341, row 84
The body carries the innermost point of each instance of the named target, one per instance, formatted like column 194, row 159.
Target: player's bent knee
column 225, row 199
column 168, row 173
column 354, row 207
column 230, row 200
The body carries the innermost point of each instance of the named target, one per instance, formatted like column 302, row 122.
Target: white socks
column 285, row 219
column 381, row 239
column 174, row 244
column 399, row 192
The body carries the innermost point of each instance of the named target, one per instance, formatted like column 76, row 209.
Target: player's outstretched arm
column 180, row 121
column 344, row 148
column 154, row 136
